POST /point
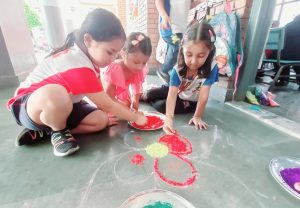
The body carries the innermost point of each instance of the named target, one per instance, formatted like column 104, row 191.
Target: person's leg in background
column 181, row 106
column 281, row 81
column 155, row 94
column 173, row 43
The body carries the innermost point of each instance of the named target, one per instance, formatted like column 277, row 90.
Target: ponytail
column 69, row 42
column 101, row 24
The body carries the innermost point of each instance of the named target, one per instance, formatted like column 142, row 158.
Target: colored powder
column 189, row 181
column 176, row 145
column 291, row 176
column 255, row 108
column 137, row 159
column 159, row 205
column 153, row 123
column 138, row 139
column 157, row 150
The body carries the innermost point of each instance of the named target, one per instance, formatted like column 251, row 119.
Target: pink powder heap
column 138, row 139
column 176, row 144
column 137, row 159
column 173, row 142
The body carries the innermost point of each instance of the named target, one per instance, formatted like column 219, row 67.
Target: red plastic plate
column 155, row 121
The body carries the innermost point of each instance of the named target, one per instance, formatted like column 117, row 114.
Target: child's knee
column 100, row 121
column 53, row 94
column 52, row 98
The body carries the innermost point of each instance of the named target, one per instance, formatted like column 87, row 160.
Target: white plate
column 154, row 197
column 280, row 163
column 162, row 116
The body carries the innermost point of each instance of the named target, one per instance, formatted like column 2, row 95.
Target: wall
column 16, row 48
column 147, row 20
column 122, row 12
column 241, row 7
column 152, row 30
column 144, row 20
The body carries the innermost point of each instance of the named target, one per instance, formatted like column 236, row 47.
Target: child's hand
column 197, row 121
column 135, row 106
column 168, row 126
column 166, row 22
column 112, row 120
column 136, row 111
column 140, row 112
column 141, row 119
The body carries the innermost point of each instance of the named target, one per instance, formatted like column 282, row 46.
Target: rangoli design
column 166, row 150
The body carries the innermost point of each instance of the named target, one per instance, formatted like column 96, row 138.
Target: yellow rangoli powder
column 157, row 150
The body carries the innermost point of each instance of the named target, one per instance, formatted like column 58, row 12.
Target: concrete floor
column 231, row 159
column 287, row 96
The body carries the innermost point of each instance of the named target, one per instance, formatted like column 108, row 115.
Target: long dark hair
column 101, row 24
column 142, row 43
column 198, row 32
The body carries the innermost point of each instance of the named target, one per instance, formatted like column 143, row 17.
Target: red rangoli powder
column 138, row 139
column 137, row 159
column 177, row 145
column 189, row 181
column 154, row 122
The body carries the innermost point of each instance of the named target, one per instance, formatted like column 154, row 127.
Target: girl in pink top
column 129, row 71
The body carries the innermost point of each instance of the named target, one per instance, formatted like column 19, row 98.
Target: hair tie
column 212, row 37
column 138, row 39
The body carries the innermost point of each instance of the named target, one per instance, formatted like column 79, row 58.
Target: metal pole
column 260, row 20
column 54, row 27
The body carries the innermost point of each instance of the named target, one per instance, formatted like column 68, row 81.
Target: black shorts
column 79, row 112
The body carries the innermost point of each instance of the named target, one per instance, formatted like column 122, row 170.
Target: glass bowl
column 280, row 163
column 156, row 198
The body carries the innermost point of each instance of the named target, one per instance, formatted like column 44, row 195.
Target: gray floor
column 231, row 159
column 289, row 100
column 288, row 97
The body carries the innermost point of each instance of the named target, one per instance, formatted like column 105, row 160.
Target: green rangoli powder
column 159, row 205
